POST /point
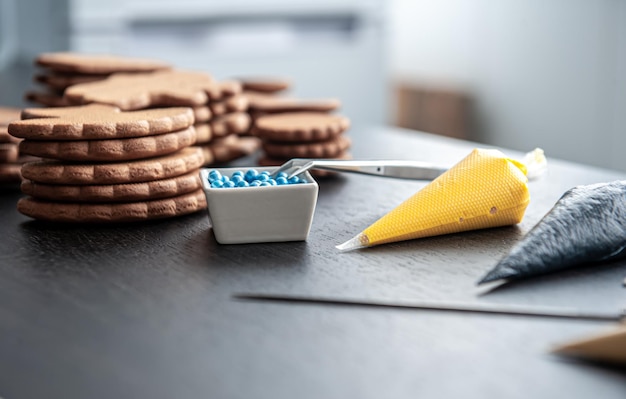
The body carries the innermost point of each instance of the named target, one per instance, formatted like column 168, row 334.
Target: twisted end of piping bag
column 485, row 189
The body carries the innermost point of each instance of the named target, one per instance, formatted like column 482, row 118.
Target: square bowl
column 260, row 214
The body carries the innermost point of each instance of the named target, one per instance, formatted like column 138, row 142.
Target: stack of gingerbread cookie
column 62, row 70
column 10, row 159
column 220, row 109
column 105, row 165
column 292, row 127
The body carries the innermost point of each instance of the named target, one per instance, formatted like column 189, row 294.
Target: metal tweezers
column 387, row 168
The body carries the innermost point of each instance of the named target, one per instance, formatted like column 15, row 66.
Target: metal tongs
column 387, row 168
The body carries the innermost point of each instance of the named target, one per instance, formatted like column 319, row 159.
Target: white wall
column 543, row 73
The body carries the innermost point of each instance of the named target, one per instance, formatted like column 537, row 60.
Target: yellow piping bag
column 485, row 189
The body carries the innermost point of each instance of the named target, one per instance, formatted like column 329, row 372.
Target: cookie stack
column 62, row 70
column 105, row 165
column 302, row 135
column 10, row 159
column 220, row 109
column 292, row 127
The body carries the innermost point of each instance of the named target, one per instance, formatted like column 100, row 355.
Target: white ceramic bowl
column 260, row 214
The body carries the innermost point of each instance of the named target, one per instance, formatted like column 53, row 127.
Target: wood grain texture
column 146, row 310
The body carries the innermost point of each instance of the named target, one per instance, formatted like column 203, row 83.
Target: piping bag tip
column 356, row 242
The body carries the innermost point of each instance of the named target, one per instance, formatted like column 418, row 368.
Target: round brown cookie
column 275, row 104
column 300, row 126
column 202, row 113
column 111, row 150
column 232, row 123
column 228, row 149
column 265, row 84
column 8, row 152
column 5, row 137
column 57, row 172
column 112, row 213
column 204, row 133
column 139, row 91
column 237, row 103
column 97, row 122
column 269, row 161
column 8, row 115
column 61, row 81
column 318, row 149
column 47, row 99
column 129, row 192
column 97, row 63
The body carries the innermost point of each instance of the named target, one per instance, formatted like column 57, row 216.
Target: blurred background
column 513, row 73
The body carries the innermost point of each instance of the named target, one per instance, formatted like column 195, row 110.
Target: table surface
column 146, row 310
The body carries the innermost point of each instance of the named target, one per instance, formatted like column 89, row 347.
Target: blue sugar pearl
column 265, row 184
column 237, row 173
column 251, row 175
column 281, row 180
column 294, row 180
column 229, row 184
column 214, row 175
column 242, row 183
column 217, row 184
column 236, row 178
column 225, row 179
column 263, row 177
column 255, row 183
column 281, row 174
column 266, row 172
column 272, row 182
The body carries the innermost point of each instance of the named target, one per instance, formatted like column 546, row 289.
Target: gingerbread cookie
column 97, row 64
column 47, row 99
column 228, row 149
column 233, row 123
column 129, row 192
column 113, row 149
column 318, row 149
column 56, row 172
column 302, row 126
column 237, row 103
column 163, row 88
column 61, row 81
column 204, row 133
column 97, row 121
column 265, row 85
column 112, row 213
column 275, row 104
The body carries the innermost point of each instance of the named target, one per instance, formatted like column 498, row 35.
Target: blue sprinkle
column 294, row 180
column 225, row 179
column 251, row 174
column 255, row 183
column 265, row 184
column 263, row 177
column 272, row 182
column 281, row 174
column 236, row 179
column 229, row 184
column 237, row 173
column 217, row 184
column 242, row 183
column 214, row 175
column 265, row 172
column 281, row 180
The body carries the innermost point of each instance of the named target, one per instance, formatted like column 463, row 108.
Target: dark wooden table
column 146, row 310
